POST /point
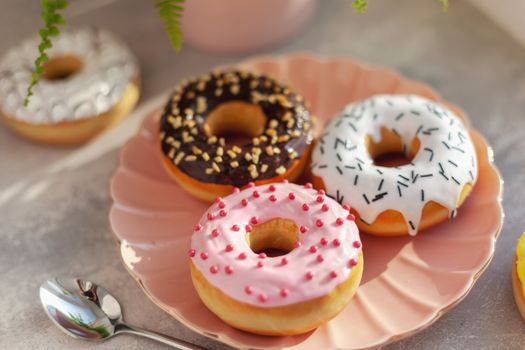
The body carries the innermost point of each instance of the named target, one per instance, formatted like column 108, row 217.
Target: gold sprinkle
column 196, row 150
column 263, row 138
column 252, row 167
column 218, row 159
column 264, row 167
column 271, row 132
column 189, row 122
column 254, row 174
column 244, row 74
column 188, row 111
column 306, row 126
column 218, row 92
column 287, row 116
column 267, row 83
column 284, row 101
column 175, row 122
column 201, row 104
column 234, row 164
column 206, row 156
column 170, row 140
column 255, row 158
column 209, row 171
column 273, row 140
column 283, row 138
column 290, row 123
column 269, row 150
column 171, row 153
column 296, row 133
column 201, row 85
column 253, row 83
column 293, row 155
column 234, row 89
column 212, row 139
column 220, row 151
column 231, row 153
column 256, row 150
column 162, row 135
column 280, row 170
column 175, row 110
column 179, row 158
column 272, row 99
column 215, row 167
column 176, row 143
column 248, row 156
column 237, row 149
column 222, row 141
column 276, row 150
column 190, row 158
column 273, row 123
column 256, row 141
column 207, row 129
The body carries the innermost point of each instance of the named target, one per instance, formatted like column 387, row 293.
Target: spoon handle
column 173, row 342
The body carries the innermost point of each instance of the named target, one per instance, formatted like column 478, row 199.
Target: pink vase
column 243, row 26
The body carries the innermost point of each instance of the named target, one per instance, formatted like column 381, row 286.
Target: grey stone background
column 57, row 223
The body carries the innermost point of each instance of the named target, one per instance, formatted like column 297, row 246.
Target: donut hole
column 390, row 150
column 61, row 67
column 275, row 237
column 236, row 121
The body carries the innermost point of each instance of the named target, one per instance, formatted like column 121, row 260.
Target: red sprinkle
column 250, row 184
column 291, row 196
column 323, row 241
column 333, row 274
column 356, row 244
column 210, row 216
column 303, row 229
column 352, row 262
column 218, row 199
column 306, row 207
column 254, row 220
column 236, row 228
column 222, row 205
column 244, row 202
column 236, row 190
column 262, row 255
column 248, row 228
column 256, row 194
column 320, row 258
column 242, row 256
column 260, row 264
column 273, row 198
column 284, row 261
column 325, row 207
column 197, row 227
column 319, row 223
column 321, row 192
column 263, row 298
column 214, row 269
column 271, row 188
column 336, row 242
column 313, row 249
column 309, row 275
column 223, row 213
column 284, row 292
column 297, row 244
column 350, row 217
column 320, row 199
column 216, row 232
column 229, row 248
column 229, row 269
column 346, row 206
column 191, row 253
column 248, row 289
column 308, row 185
column 204, row 255
column 339, row 221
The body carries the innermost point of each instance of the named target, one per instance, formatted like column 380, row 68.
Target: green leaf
column 51, row 19
column 360, row 5
column 444, row 4
column 170, row 12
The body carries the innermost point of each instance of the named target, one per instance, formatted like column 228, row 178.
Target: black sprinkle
column 411, row 225
column 453, row 213
column 338, row 157
column 472, row 160
column 375, row 116
column 349, row 167
column 455, row 180
column 359, row 160
column 449, row 136
column 321, row 149
column 339, row 141
column 446, row 144
column 431, row 153
column 363, row 221
column 403, row 177
column 379, row 171
column 445, row 176
column 313, row 165
column 427, row 175
column 352, row 126
column 366, row 199
column 441, row 167
column 379, row 196
column 415, row 178
column 356, row 178
column 339, row 170
column 422, row 195
column 321, row 141
column 395, row 132
column 471, row 176
column 323, row 166
column 399, row 191
column 419, row 129
column 380, row 185
column 338, row 122
column 402, row 184
column 399, row 116
column 458, row 149
column 359, row 166
column 415, row 112
column 451, row 162
column 389, row 102
column 339, row 198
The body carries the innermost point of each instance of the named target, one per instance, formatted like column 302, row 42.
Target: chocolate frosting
column 208, row 158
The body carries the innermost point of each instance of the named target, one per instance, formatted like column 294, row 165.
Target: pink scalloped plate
column 408, row 283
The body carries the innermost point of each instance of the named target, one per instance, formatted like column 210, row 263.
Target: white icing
column 108, row 69
column 445, row 162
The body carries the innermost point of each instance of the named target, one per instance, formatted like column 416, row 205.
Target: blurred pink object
column 243, row 26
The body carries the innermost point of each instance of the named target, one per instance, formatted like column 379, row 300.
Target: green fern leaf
column 170, row 12
column 52, row 19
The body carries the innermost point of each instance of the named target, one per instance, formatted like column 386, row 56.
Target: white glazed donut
column 442, row 171
column 253, row 291
column 90, row 73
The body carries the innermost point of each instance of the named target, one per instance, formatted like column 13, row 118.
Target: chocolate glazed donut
column 202, row 113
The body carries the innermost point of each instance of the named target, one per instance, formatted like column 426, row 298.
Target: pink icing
column 324, row 256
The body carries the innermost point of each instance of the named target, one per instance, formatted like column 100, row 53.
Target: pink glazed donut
column 276, row 259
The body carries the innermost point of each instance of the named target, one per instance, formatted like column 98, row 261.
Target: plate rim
column 323, row 59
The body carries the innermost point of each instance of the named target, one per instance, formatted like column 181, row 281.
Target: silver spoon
column 87, row 311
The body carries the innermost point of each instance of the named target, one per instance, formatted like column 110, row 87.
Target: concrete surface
column 54, row 218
